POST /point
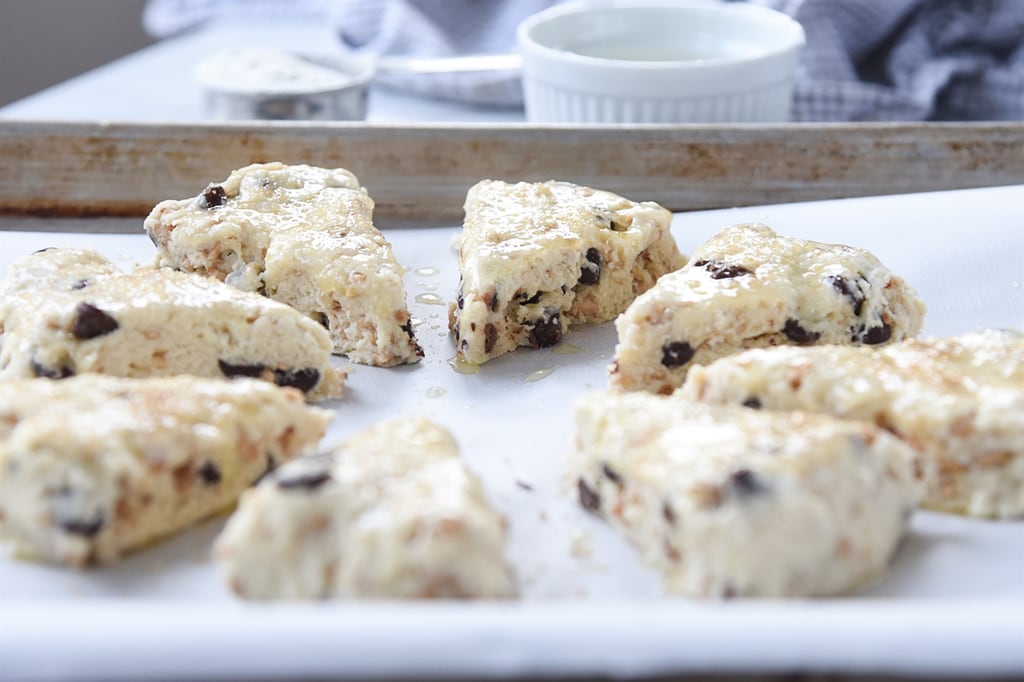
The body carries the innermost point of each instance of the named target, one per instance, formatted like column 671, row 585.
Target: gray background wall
column 43, row 42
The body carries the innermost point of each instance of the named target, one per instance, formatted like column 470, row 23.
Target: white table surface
column 156, row 84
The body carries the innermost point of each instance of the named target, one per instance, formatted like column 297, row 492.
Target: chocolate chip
column 797, row 334
column 612, row 475
column 745, row 483
column 209, row 473
column 303, row 379
column 590, row 273
column 668, row 513
column 232, row 370
column 309, row 480
column 524, row 485
column 271, row 465
column 212, row 197
column 525, row 300
column 676, row 353
column 44, row 249
column 753, row 402
column 589, row 499
column 324, row 321
column 546, row 330
column 459, row 301
column 87, row 528
column 875, row 335
column 721, row 270
column 91, row 322
column 491, row 299
column 62, row 372
column 80, row 284
column 850, row 290
column 490, row 337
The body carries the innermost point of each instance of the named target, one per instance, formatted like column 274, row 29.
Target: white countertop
column 156, row 83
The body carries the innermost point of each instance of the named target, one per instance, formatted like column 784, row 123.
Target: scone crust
column 749, row 287
column 301, row 235
column 728, row 502
column 71, row 311
column 957, row 400
column 537, row 257
column 391, row 513
column 93, row 466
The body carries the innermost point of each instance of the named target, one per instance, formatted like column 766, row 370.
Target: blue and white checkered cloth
column 865, row 59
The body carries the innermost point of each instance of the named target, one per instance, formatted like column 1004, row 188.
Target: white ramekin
column 651, row 61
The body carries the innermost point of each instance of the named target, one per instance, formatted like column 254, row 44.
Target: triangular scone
column 537, row 257
column 731, row 502
column 391, row 513
column 303, row 236
column 92, row 467
column 71, row 311
column 748, row 287
column 959, row 401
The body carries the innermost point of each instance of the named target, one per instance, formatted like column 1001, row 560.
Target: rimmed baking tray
column 952, row 604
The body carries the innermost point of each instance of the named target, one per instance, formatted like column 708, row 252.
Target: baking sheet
column 952, row 603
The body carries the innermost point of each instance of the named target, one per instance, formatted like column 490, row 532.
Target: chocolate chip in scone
column 590, row 273
column 307, row 480
column 490, row 298
column 753, row 402
column 209, row 473
column 546, row 330
column 40, row 370
column 459, row 301
column 589, row 499
column 490, row 337
column 850, row 290
column 721, row 270
column 874, row 335
column 612, row 475
column 271, row 466
column 44, row 249
column 91, row 322
column 529, row 300
column 668, row 513
column 797, row 334
column 746, row 483
column 86, row 528
column 676, row 353
column 212, row 197
column 303, row 379
column 407, row 328
column 229, row 369
column 80, row 284
column 324, row 321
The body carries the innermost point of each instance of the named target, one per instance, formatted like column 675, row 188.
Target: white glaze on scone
column 748, row 287
column 537, row 257
column 727, row 502
column 70, row 311
column 959, row 401
column 93, row 466
column 301, row 235
column 391, row 513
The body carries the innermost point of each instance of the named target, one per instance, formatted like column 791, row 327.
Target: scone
column 303, row 236
column 94, row 466
column 537, row 257
column 730, row 502
column 70, row 311
column 391, row 513
column 959, row 401
column 748, row 287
